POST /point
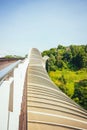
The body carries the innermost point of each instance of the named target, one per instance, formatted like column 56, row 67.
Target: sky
column 41, row 24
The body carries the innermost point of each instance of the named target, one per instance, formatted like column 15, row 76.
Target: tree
column 51, row 63
column 44, row 53
column 61, row 64
column 67, row 56
column 74, row 50
column 60, row 47
column 53, row 51
column 78, row 60
column 73, row 57
column 9, row 56
column 80, row 93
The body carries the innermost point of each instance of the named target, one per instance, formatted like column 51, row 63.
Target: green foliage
column 45, row 53
column 79, row 56
column 66, row 80
column 67, row 67
column 81, row 93
column 9, row 56
column 61, row 64
column 72, row 57
column 78, row 60
column 60, row 47
column 62, row 79
column 13, row 57
column 67, row 56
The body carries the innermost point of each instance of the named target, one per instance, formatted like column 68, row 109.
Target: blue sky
column 42, row 24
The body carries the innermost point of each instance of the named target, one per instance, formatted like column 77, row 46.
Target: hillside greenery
column 13, row 56
column 67, row 67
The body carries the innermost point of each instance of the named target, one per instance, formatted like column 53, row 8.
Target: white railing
column 4, row 72
column 11, row 92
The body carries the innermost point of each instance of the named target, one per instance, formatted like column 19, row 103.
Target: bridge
column 35, row 102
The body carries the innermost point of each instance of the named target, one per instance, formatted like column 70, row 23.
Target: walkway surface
column 47, row 107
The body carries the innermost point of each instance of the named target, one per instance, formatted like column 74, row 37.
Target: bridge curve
column 47, row 108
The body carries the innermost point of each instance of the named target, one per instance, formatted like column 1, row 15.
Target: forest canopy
column 72, row 57
column 67, row 67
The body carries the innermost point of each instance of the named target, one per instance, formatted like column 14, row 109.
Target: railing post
column 10, row 105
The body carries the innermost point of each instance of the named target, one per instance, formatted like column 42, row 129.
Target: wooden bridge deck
column 44, row 106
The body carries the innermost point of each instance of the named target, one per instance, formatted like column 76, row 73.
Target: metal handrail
column 4, row 72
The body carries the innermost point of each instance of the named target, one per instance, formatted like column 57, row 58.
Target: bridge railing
column 11, row 91
column 4, row 72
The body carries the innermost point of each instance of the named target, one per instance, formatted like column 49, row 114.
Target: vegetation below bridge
column 67, row 67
